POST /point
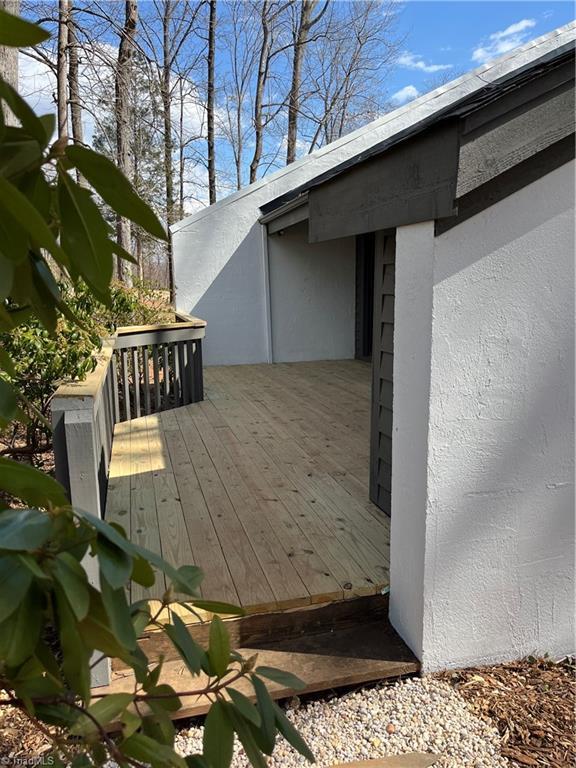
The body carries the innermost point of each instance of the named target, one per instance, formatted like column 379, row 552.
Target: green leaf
column 219, row 650
column 24, row 529
column 212, row 606
column 104, row 710
column 115, row 563
column 30, row 485
column 8, row 403
column 118, row 612
column 246, row 735
column 142, row 572
column 142, row 747
column 192, row 654
column 15, row 580
column 75, row 653
column 72, row 578
column 114, row 188
column 140, row 619
column 169, row 700
column 84, row 234
column 285, row 679
column 20, row 633
column 29, row 219
column 31, row 124
column 267, row 730
column 130, row 723
column 18, row 33
column 6, row 363
column 96, row 631
column 158, row 725
column 291, row 735
column 245, row 706
column 187, row 579
column 218, row 737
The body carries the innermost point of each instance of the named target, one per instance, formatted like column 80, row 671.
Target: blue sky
column 446, row 39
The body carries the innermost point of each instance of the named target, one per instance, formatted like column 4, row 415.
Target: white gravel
column 416, row 715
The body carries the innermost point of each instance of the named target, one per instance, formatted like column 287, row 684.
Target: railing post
column 77, row 439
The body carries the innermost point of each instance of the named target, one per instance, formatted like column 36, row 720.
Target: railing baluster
column 182, row 370
column 115, row 398
column 176, row 368
column 166, row 367
column 146, row 379
column 198, row 377
column 156, row 367
column 190, row 372
column 136, row 373
column 125, row 384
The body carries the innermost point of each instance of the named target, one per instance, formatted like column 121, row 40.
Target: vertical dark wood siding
column 364, row 296
column 382, row 370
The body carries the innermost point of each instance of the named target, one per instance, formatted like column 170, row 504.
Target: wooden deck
column 264, row 485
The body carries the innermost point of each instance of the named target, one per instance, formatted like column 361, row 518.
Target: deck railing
column 140, row 370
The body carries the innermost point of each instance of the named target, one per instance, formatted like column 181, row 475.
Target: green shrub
column 43, row 360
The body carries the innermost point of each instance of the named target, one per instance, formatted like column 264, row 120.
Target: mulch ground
column 531, row 702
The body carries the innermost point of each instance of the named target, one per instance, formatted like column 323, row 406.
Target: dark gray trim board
column 523, row 78
column 510, row 181
column 415, row 181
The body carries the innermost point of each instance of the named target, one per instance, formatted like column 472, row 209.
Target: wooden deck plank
column 205, row 548
column 286, row 584
column 249, row 579
column 264, row 485
column 144, row 529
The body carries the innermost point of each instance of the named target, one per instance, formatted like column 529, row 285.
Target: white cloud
column 503, row 41
column 404, row 95
column 415, row 61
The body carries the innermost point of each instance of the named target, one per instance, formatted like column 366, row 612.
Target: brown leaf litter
column 531, row 702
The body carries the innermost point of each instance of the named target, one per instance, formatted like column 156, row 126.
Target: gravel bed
column 415, row 715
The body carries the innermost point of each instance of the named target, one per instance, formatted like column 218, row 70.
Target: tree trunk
column 62, row 67
column 9, row 60
column 263, row 63
column 300, row 39
column 168, row 142
column 210, row 103
column 124, row 156
column 74, row 88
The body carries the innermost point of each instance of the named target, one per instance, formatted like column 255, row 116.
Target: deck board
column 264, row 485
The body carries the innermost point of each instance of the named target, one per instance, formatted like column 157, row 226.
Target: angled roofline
column 464, row 87
column 460, row 108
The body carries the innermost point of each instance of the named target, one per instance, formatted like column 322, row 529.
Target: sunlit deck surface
column 264, row 485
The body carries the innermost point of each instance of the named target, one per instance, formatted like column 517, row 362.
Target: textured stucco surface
column 498, row 574
column 312, row 297
column 218, row 252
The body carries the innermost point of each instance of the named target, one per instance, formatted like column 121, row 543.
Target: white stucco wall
column 312, row 296
column 497, row 528
column 218, row 252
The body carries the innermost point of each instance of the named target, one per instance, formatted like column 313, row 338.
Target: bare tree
column 9, row 58
column 211, row 62
column 62, row 68
column 306, row 21
column 124, row 155
column 73, row 81
column 345, row 77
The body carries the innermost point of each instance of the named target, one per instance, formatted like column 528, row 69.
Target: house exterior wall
column 312, row 297
column 486, row 436
column 219, row 256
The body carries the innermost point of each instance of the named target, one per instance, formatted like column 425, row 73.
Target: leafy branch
column 55, row 623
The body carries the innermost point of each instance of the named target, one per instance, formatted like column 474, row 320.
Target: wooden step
column 367, row 652
column 264, row 628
